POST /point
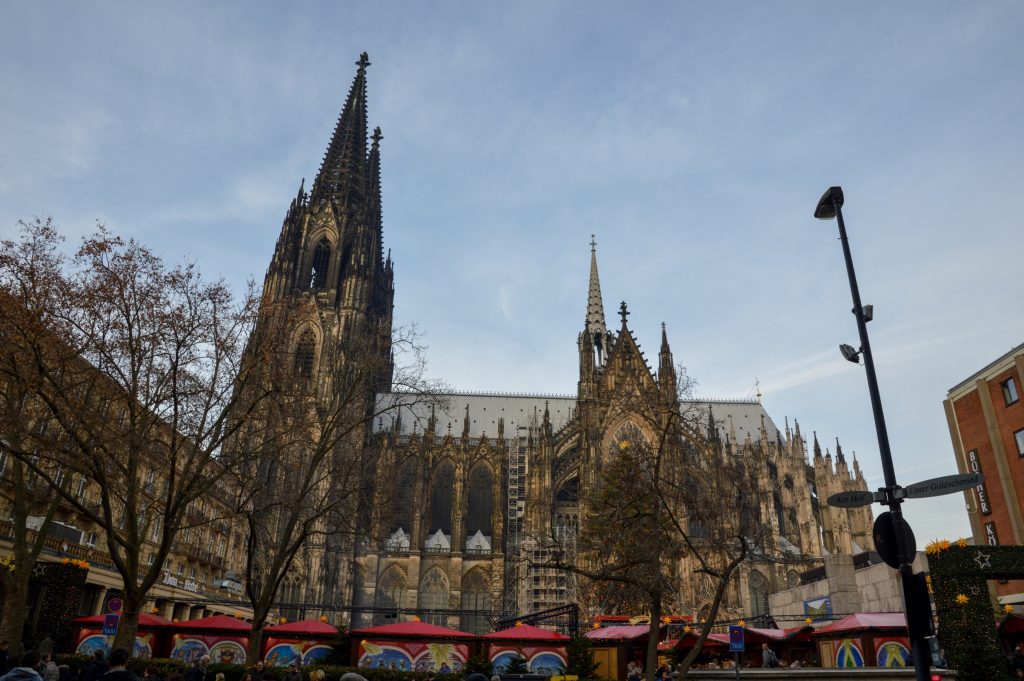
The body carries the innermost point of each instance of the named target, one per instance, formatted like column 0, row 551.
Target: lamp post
column 831, row 206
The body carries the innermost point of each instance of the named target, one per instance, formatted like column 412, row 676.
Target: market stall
column 867, row 639
column 412, row 646
column 223, row 638
column 543, row 650
column 304, row 642
column 150, row 639
column 614, row 647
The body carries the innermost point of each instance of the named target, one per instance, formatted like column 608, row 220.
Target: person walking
column 768, row 656
column 27, row 670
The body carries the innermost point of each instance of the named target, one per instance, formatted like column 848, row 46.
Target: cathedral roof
column 523, row 411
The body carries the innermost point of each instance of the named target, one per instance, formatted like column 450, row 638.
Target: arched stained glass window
column 481, row 500
column 475, row 596
column 390, row 592
column 434, row 596
column 305, row 350
column 321, row 262
column 758, row 593
column 441, row 489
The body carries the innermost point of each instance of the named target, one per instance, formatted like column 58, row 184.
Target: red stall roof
column 526, row 632
column 421, row 629
column 145, row 620
column 687, row 641
column 216, row 623
column 865, row 620
column 615, row 633
column 1012, row 624
column 314, row 627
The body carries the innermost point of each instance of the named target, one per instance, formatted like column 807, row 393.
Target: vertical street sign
column 736, row 642
column 110, row 623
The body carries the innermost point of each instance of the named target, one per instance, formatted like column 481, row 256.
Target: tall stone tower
column 328, row 296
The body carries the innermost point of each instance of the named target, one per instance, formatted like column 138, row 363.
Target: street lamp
column 917, row 608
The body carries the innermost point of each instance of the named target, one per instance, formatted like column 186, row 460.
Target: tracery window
column 304, row 353
column 475, row 596
column 390, row 592
column 321, row 262
column 441, row 489
column 481, row 500
column 434, row 596
column 758, row 586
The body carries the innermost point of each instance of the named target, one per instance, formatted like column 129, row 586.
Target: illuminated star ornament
column 984, row 560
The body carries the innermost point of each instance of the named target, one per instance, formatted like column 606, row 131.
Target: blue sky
column 693, row 139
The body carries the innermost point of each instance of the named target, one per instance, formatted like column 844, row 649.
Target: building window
column 1019, row 437
column 321, row 261
column 1009, row 388
column 304, row 352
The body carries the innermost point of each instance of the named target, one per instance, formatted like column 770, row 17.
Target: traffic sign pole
column 833, row 199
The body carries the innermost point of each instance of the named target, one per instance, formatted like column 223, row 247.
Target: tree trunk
column 252, row 655
column 131, row 606
column 15, row 610
column 652, row 636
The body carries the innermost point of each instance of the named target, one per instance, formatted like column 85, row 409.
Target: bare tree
column 133, row 364
column 309, row 488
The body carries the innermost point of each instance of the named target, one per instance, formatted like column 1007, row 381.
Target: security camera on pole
column 894, row 540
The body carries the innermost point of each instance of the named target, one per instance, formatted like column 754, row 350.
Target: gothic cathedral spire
column 597, row 332
column 343, row 172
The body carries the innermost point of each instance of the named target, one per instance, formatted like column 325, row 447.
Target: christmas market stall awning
column 865, row 621
column 688, row 641
column 411, row 630
column 215, row 623
column 619, row 633
column 526, row 632
column 303, row 628
column 146, row 621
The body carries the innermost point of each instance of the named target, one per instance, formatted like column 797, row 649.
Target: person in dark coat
column 5, row 656
column 28, row 670
column 292, row 674
column 118, row 670
column 200, row 670
column 96, row 668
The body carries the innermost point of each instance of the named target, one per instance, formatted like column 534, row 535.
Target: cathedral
column 469, row 482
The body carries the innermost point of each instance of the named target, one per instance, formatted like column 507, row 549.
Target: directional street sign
column 736, row 641
column 851, row 499
column 947, row 484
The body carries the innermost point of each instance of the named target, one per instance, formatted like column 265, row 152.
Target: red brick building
column 986, row 423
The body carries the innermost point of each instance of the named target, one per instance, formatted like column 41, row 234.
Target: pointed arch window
column 441, row 490
column 390, row 594
column 321, row 262
column 476, row 596
column 758, row 587
column 481, row 501
column 434, row 596
column 305, row 350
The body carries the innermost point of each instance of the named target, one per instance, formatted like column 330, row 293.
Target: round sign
column 886, row 528
column 114, row 605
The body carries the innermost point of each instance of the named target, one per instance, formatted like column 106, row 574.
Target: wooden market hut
column 150, row 639
column 225, row 639
column 543, row 650
column 412, row 646
column 303, row 642
column 615, row 646
column 866, row 639
column 677, row 648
